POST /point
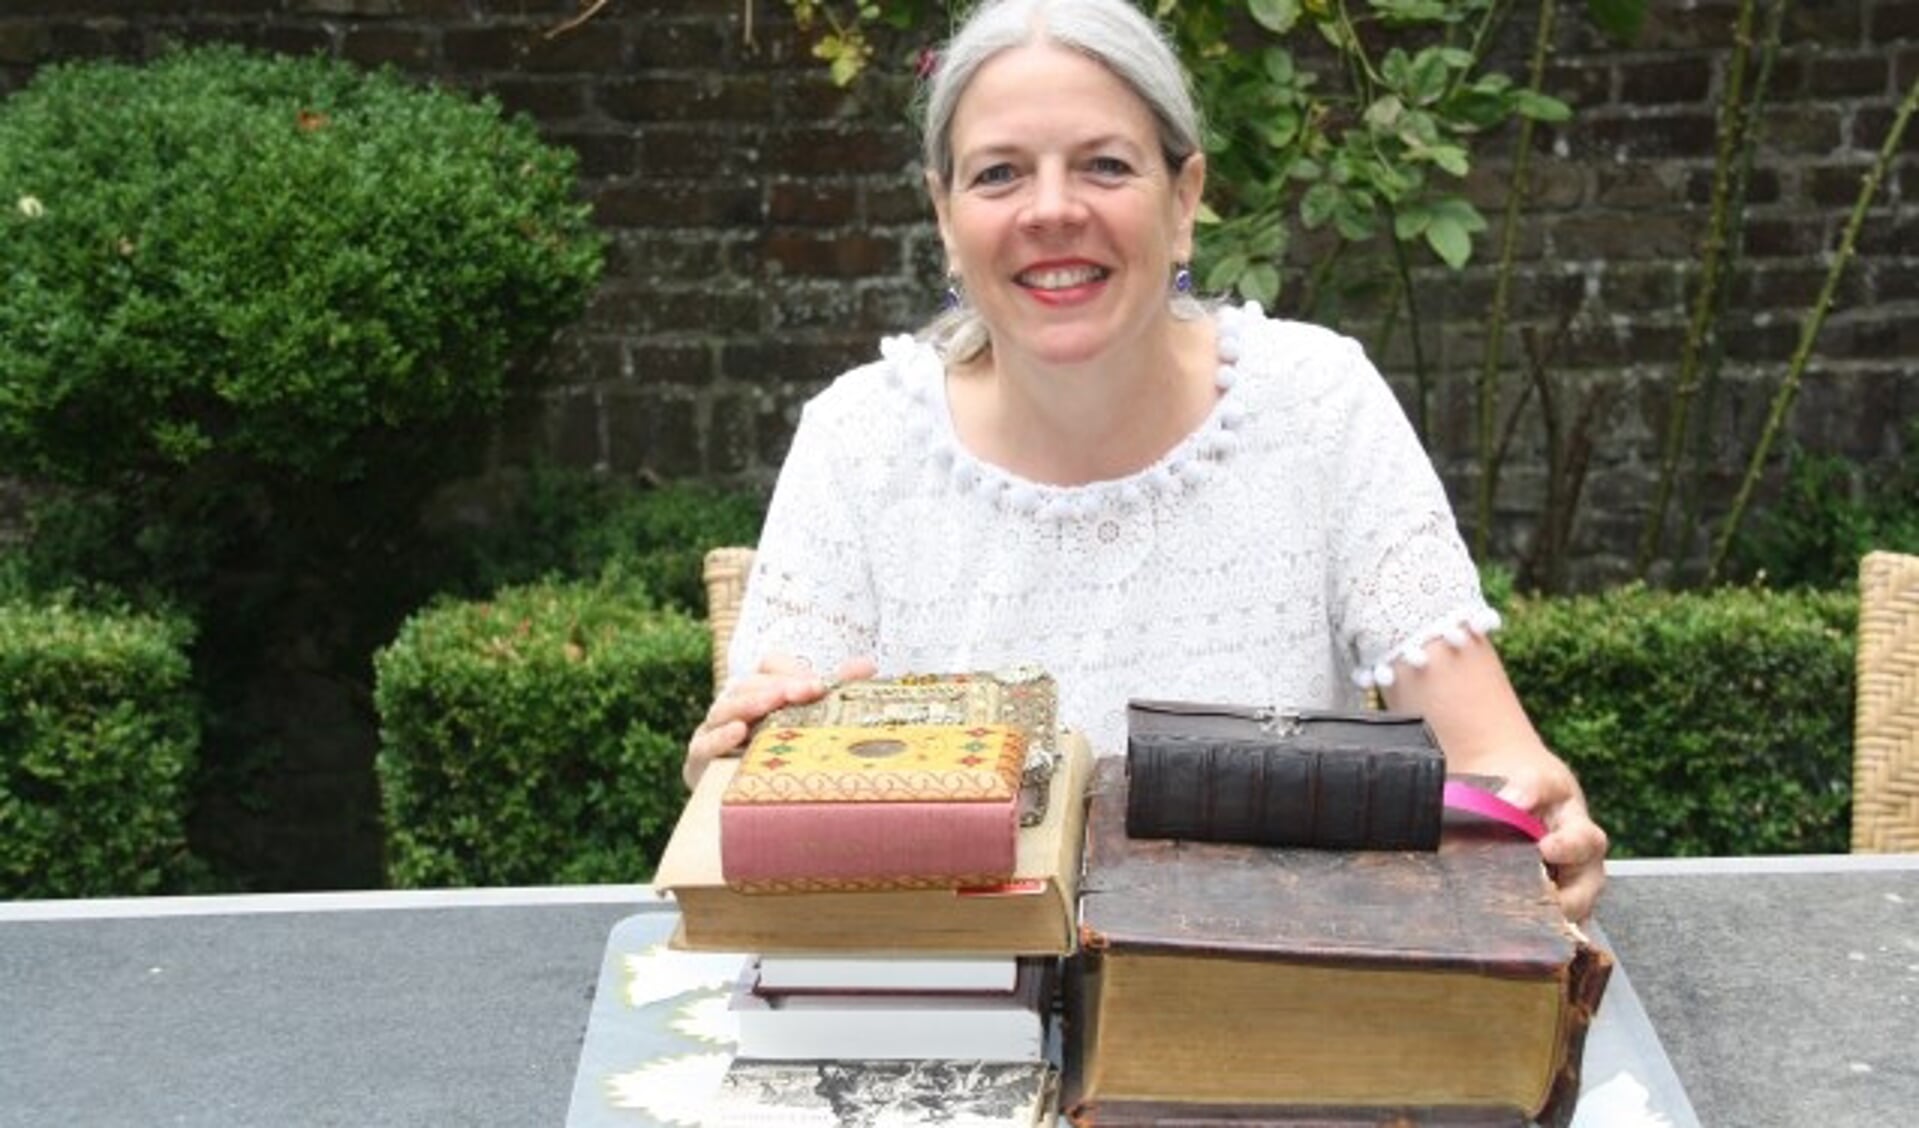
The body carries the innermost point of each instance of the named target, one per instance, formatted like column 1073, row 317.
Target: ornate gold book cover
column 894, row 764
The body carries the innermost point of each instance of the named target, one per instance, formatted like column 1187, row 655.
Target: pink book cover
column 926, row 806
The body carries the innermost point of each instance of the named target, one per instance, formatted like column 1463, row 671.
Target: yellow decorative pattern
column 1885, row 751
column 889, row 764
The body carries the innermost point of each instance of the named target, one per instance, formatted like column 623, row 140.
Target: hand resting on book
column 779, row 681
column 1466, row 697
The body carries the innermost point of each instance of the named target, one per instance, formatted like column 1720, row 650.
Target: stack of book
column 909, row 978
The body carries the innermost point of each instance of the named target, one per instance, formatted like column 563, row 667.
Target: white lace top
column 1287, row 552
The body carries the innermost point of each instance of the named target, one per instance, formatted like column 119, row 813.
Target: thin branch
column 1732, row 126
column 1710, row 365
column 1517, row 193
column 1422, row 380
column 592, row 8
column 1809, row 332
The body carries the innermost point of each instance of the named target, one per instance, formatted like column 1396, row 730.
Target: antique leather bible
column 1270, row 777
column 1281, row 985
column 862, row 807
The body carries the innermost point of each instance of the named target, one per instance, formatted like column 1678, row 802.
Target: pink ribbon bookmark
column 1465, row 797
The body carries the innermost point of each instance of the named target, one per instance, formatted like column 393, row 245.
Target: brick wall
column 767, row 226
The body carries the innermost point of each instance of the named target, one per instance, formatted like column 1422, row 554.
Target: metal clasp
column 1281, row 723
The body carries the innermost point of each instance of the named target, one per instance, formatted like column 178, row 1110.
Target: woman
column 1081, row 467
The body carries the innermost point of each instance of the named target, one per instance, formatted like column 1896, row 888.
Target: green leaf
column 1354, row 217
column 1620, row 19
column 1305, row 168
column 1459, row 210
column 1260, row 283
column 1283, row 129
column 1226, row 273
column 1451, row 158
column 1457, row 58
column 1318, row 204
column 1449, row 241
column 1428, row 77
column 1385, row 111
column 1279, row 65
column 1207, row 215
column 1268, row 241
column 1276, row 16
column 1410, row 222
column 1540, row 107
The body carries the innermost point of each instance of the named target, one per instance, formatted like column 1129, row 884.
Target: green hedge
column 537, row 737
column 98, row 732
column 1699, row 724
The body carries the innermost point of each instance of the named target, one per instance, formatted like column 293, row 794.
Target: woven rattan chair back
column 1885, row 750
column 726, row 570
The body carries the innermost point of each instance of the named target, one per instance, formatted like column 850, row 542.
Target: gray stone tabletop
column 1784, row 991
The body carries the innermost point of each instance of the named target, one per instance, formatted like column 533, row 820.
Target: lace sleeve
column 1401, row 574
column 810, row 593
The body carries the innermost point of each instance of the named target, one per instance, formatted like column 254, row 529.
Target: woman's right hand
column 779, row 681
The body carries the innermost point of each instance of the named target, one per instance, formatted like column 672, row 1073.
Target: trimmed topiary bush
column 537, row 737
column 98, row 729
column 220, row 260
column 1700, row 723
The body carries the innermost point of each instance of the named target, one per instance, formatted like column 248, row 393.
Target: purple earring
column 953, row 298
column 1182, row 279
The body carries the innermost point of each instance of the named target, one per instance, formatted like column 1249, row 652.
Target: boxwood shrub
column 98, row 732
column 536, row 737
column 1716, row 723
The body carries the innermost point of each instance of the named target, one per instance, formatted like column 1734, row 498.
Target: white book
column 892, row 1025
column 886, row 973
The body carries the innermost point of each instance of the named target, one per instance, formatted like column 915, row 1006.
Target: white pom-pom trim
column 1458, row 630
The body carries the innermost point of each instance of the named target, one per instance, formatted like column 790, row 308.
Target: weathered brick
column 484, row 48
column 601, row 154
column 373, row 45
column 1771, row 341
column 733, row 435
column 1783, row 236
column 591, row 49
column 1640, row 136
column 808, row 203
column 1637, row 287
column 1762, row 186
column 1848, row 76
column 22, row 42
column 652, row 432
column 1581, row 85
column 544, row 98
column 1893, row 20
column 678, row 46
column 1656, row 81
column 1639, row 184
column 572, row 427
column 677, row 365
column 842, row 256
column 642, row 309
column 829, row 150
column 678, row 204
column 1873, row 124
column 788, row 359
column 1805, row 128
column 1836, row 186
column 692, row 151
column 665, row 255
column 1624, row 236
column 1827, row 23
column 888, row 200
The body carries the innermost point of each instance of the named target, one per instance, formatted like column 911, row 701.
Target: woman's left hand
column 1575, row 846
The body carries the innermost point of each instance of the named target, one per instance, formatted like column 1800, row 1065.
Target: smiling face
column 1062, row 219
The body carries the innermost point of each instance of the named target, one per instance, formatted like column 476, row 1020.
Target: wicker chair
column 1885, row 755
column 726, row 570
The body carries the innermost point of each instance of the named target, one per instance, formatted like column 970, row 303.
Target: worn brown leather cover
column 1481, row 902
column 1230, row 773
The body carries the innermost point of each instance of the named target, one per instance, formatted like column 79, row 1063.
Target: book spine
column 867, row 845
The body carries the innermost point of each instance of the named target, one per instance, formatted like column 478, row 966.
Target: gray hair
column 1114, row 34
